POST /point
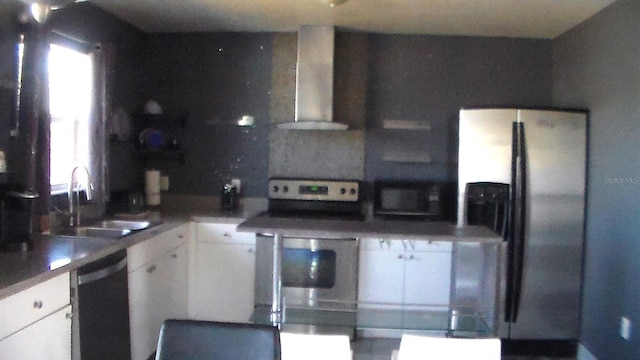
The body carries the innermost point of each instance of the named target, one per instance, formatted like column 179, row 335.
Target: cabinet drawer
column 33, row 304
column 154, row 247
column 435, row 246
column 223, row 233
column 371, row 244
column 48, row 338
column 402, row 245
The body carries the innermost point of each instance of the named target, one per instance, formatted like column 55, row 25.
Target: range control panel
column 316, row 190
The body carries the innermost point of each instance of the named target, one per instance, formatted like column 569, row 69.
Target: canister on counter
column 229, row 197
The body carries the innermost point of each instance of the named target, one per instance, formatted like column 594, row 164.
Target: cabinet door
column 427, row 279
column 143, row 306
column 49, row 338
column 142, row 253
column 380, row 274
column 224, row 282
column 157, row 291
column 28, row 306
column 223, row 233
column 176, row 263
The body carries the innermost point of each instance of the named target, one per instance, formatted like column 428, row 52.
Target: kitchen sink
column 107, row 229
column 121, row 225
column 99, row 232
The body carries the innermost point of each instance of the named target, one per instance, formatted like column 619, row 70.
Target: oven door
column 316, row 273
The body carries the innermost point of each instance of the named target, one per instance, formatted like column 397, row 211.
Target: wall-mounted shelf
column 400, row 124
column 161, row 121
column 407, row 157
column 166, row 144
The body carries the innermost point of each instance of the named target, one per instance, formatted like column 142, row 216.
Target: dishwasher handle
column 102, row 273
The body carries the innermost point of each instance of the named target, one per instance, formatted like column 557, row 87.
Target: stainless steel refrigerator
column 523, row 173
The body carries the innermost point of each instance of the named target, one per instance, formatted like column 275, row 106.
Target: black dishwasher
column 103, row 309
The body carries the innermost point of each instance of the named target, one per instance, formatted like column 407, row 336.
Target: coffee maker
column 16, row 213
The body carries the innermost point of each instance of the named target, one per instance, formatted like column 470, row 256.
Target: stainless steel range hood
column 314, row 80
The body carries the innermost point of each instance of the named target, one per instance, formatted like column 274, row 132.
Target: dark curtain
column 103, row 60
column 32, row 150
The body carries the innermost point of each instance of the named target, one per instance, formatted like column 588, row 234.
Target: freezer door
column 484, row 150
column 556, row 168
column 555, row 157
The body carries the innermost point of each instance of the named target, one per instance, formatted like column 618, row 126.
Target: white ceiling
column 511, row 18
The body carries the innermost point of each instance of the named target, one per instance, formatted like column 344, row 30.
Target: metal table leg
column 276, row 282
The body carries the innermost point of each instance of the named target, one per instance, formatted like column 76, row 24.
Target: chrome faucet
column 74, row 215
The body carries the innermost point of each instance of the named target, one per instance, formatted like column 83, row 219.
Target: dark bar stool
column 191, row 339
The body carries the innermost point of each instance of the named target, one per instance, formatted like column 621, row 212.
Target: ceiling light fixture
column 40, row 9
column 40, row 12
column 334, row 3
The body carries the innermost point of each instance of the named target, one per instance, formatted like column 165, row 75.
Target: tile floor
column 381, row 348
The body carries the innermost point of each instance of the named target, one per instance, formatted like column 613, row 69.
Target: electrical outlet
column 237, row 183
column 625, row 328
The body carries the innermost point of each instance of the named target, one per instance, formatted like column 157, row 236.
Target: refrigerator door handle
column 521, row 219
column 509, row 234
column 516, row 223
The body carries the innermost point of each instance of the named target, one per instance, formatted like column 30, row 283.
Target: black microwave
column 432, row 201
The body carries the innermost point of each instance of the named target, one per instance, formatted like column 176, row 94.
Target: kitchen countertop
column 369, row 228
column 53, row 255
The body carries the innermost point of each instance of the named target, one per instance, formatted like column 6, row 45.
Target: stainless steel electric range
column 317, row 273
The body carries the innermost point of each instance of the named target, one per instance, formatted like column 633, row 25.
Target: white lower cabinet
column 224, row 273
column 48, row 338
column 157, row 288
column 407, row 274
column 35, row 323
column 403, row 275
column 380, row 277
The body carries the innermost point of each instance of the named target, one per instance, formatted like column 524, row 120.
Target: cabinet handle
column 226, row 234
column 411, row 257
column 180, row 236
column 69, row 315
column 404, row 244
column 400, row 256
column 37, row 304
column 250, row 251
column 174, row 256
column 151, row 269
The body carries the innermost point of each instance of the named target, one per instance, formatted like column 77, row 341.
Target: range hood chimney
column 314, row 80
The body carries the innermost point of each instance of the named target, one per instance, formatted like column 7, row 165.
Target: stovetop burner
column 314, row 199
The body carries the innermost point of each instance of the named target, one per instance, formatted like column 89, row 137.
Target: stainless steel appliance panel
column 554, row 191
column 338, row 292
column 103, row 309
column 484, row 150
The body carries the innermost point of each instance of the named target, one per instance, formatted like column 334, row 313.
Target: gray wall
column 597, row 66
column 427, row 79
column 217, row 77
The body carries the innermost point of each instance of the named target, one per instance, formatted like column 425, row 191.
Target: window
column 70, row 96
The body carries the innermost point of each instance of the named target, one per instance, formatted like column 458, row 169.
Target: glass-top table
column 459, row 322
column 471, row 309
